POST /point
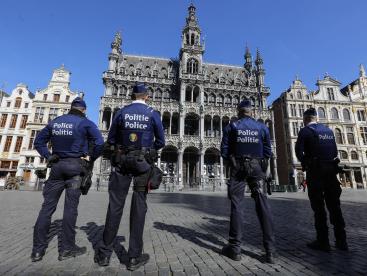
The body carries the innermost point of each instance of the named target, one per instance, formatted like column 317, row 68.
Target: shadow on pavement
column 94, row 234
column 200, row 239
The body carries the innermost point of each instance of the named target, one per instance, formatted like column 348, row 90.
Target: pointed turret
column 259, row 60
column 260, row 72
column 115, row 53
column 248, row 59
column 362, row 71
column 116, row 43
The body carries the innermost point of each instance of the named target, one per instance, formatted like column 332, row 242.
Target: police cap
column 78, row 102
column 139, row 88
column 244, row 104
column 310, row 112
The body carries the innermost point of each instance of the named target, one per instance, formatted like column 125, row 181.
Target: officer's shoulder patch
column 150, row 109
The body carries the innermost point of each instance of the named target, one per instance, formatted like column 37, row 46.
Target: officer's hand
column 52, row 159
column 108, row 150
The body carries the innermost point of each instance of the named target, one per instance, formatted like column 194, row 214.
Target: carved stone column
column 180, row 170
column 221, row 172
column 170, row 124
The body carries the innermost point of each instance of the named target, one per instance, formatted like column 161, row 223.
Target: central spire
column 191, row 20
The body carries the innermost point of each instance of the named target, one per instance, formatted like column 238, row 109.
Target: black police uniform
column 136, row 131
column 69, row 136
column 316, row 150
column 246, row 145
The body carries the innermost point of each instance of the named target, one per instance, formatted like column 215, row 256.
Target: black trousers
column 254, row 177
column 118, row 189
column 64, row 175
column 324, row 188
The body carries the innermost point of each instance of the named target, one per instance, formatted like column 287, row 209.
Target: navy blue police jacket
column 316, row 141
column 137, row 126
column 246, row 137
column 71, row 135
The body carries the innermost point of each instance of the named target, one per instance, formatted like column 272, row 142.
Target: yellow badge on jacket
column 133, row 137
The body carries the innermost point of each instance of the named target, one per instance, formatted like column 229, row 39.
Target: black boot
column 317, row 245
column 77, row 251
column 135, row 263
column 101, row 259
column 228, row 252
column 342, row 245
column 270, row 257
column 37, row 256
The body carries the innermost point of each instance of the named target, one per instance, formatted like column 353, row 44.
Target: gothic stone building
column 196, row 101
column 342, row 109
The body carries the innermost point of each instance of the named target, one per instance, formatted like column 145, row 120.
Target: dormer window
column 18, row 102
column 56, row 98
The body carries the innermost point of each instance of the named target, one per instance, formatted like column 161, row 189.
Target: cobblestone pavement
column 183, row 235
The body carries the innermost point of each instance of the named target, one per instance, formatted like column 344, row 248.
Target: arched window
column 343, row 154
column 253, row 101
column 188, row 94
column 346, row 114
column 235, row 100
column 166, row 96
column 123, row 91
column 334, row 114
column 220, row 100
column 354, row 155
column 205, row 98
column 115, row 90
column 187, row 39
column 299, row 95
column 158, row 95
column 321, row 113
column 192, row 66
column 228, row 100
column 350, row 136
column 211, row 99
column 150, row 93
column 339, row 136
column 192, row 39
column 18, row 102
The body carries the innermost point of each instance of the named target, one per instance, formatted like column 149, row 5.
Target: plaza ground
column 184, row 233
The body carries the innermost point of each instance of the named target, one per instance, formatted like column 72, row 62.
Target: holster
column 86, row 176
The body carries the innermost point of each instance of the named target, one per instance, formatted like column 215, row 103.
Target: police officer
column 316, row 150
column 69, row 135
column 135, row 134
column 246, row 146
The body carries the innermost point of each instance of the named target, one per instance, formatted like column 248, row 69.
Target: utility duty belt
column 317, row 164
column 138, row 163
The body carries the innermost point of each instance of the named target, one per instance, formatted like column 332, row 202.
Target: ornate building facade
column 342, row 109
column 15, row 110
column 48, row 103
column 196, row 101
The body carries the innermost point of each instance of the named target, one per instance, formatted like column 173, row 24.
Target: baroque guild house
column 15, row 110
column 196, row 101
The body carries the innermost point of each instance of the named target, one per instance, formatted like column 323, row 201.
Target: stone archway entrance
column 191, row 167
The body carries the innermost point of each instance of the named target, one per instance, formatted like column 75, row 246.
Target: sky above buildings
column 296, row 38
